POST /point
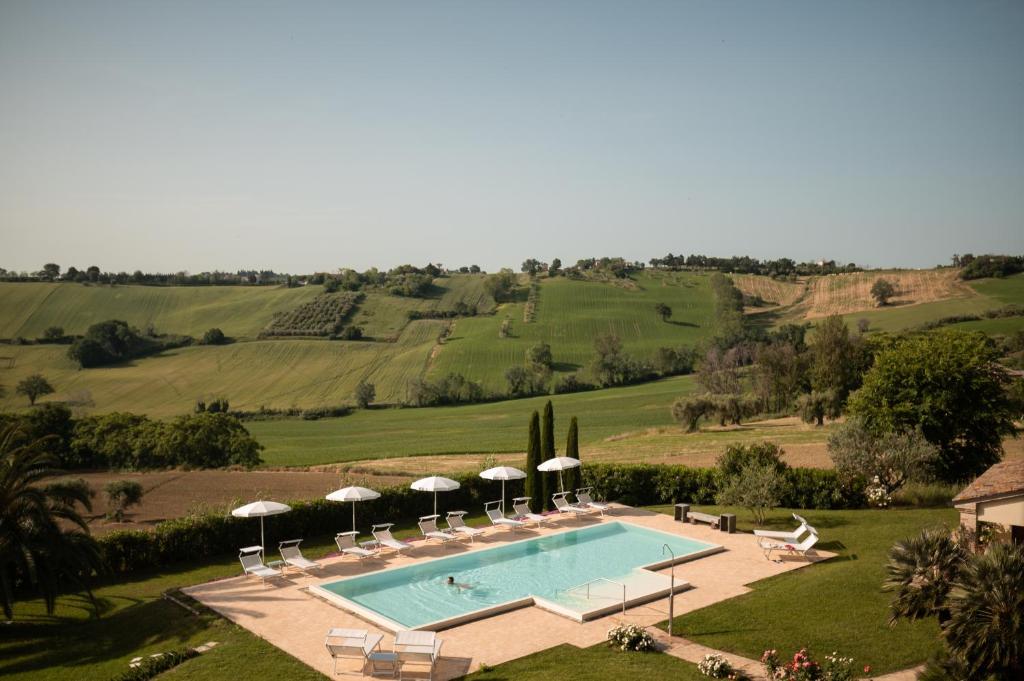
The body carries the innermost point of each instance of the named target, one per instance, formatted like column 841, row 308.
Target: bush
column 736, row 457
column 351, row 333
column 715, row 666
column 365, row 394
column 214, row 336
column 631, row 637
column 757, row 486
column 572, row 383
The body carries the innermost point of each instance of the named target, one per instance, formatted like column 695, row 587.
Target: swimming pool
column 534, row 571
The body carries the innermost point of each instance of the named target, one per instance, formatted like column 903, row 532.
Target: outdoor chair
column 584, row 500
column 521, row 507
column 382, row 533
column 292, row 556
column 251, row 558
column 562, row 505
column 346, row 542
column 428, row 526
column 417, row 647
column 802, row 548
column 791, row 537
column 457, row 524
column 499, row 520
column 357, row 644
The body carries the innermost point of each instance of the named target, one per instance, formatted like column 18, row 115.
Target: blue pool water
column 416, row 595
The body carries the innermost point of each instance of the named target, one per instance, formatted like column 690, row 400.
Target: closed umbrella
column 559, row 463
column 353, row 494
column 503, row 473
column 260, row 509
column 435, row 484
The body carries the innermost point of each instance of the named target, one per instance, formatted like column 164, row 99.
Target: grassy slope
column 598, row 663
column 571, row 313
column 494, row 427
column 838, row 605
column 240, row 311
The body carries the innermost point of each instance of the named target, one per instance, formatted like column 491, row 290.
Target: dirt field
column 172, row 494
column 771, row 291
column 846, row 293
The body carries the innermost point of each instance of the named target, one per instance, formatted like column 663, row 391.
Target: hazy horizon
column 308, row 137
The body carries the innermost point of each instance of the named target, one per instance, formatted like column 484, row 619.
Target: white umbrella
column 503, row 473
column 435, row 484
column 260, row 509
column 559, row 463
column 353, row 494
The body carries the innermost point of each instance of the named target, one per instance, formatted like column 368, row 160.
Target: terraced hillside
column 570, row 314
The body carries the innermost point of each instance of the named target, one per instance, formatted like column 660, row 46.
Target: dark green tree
column 949, row 385
column 833, row 358
column 121, row 494
column 214, row 336
column 33, row 387
column 664, row 311
column 533, row 476
column 573, row 477
column 365, row 394
column 547, row 451
column 51, row 271
column 44, row 541
column 882, row 290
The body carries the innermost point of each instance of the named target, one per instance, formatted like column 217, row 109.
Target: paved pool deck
column 284, row 613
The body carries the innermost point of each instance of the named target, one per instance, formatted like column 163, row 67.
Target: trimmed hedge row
column 201, row 536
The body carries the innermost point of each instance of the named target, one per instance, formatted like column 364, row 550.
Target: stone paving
column 285, row 614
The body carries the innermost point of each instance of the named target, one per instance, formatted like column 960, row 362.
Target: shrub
column 572, row 383
column 121, row 494
column 736, row 457
column 365, row 394
column 631, row 637
column 715, row 666
column 804, row 668
column 758, row 487
column 214, row 336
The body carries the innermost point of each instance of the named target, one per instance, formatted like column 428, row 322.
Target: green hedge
column 202, row 536
column 151, row 667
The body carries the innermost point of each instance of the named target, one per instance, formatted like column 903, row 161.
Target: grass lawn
column 835, row 606
column 598, row 663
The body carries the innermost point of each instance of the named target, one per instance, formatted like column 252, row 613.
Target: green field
column 570, row 314
column 494, row 427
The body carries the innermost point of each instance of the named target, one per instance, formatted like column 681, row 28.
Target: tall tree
column 547, row 451
column 833, row 358
column 664, row 311
column 882, row 290
column 533, row 476
column 44, row 541
column 573, row 477
column 950, row 385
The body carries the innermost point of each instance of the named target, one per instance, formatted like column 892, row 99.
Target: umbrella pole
column 263, row 545
column 353, row 517
column 561, row 487
column 502, row 497
column 435, row 503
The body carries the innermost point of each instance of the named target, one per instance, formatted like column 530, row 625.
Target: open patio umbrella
column 559, row 463
column 435, row 484
column 260, row 509
column 353, row 494
column 503, row 473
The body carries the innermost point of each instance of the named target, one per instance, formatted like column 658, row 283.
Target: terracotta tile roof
column 1003, row 478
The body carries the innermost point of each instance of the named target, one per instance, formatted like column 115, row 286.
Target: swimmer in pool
column 452, row 582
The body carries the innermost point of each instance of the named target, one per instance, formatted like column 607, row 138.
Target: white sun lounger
column 252, row 564
column 521, row 507
column 428, row 526
column 802, row 548
column 791, row 537
column 562, row 505
column 292, row 556
column 418, row 647
column 358, row 644
column 457, row 524
column 382, row 533
column 346, row 542
column 585, row 501
column 498, row 520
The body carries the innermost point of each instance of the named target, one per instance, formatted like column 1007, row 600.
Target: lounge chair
column 292, row 556
column 499, row 520
column 768, row 545
column 791, row 537
column 428, row 526
column 359, row 644
column 562, row 505
column 521, row 507
column 251, row 558
column 382, row 533
column 457, row 524
column 346, row 542
column 418, row 647
column 584, row 500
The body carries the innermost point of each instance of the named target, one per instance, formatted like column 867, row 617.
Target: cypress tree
column 547, row 451
column 574, row 477
column 533, row 476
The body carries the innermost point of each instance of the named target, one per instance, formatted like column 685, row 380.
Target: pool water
column 415, row 595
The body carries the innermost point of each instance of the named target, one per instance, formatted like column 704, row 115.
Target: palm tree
column 986, row 606
column 921, row 571
column 44, row 541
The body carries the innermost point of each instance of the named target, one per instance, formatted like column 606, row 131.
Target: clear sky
column 316, row 135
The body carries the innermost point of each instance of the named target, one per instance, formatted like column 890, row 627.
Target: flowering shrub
column 715, row 666
column 877, row 494
column 803, row 667
column 631, row 637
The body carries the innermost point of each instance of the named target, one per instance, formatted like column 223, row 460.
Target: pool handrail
column 600, row 579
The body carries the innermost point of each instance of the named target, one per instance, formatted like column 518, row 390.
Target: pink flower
column 867, row 669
